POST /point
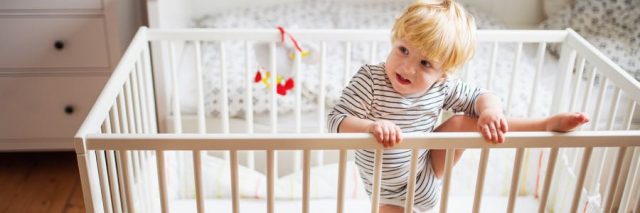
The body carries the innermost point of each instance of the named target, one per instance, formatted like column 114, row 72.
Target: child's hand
column 493, row 125
column 386, row 132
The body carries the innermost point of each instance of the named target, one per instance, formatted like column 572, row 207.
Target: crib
column 128, row 159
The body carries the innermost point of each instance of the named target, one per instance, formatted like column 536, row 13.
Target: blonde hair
column 442, row 30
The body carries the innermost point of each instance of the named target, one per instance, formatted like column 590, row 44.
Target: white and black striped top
column 370, row 96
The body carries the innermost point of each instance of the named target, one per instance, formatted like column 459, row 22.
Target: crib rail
column 123, row 166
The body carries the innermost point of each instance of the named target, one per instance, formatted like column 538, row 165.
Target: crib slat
column 197, row 169
column 603, row 86
column 177, row 114
column 149, row 90
column 323, row 83
column 274, row 102
column 534, row 89
column 306, row 180
column 124, row 155
column 492, row 69
column 124, row 125
column 553, row 157
column 342, row 167
column 482, row 170
column 142, row 97
column 347, row 63
column 199, row 86
column 586, row 158
column 514, row 74
column 162, row 181
column 225, row 91
column 448, row 165
column 377, row 175
column 104, row 182
column 613, row 109
column 248, row 103
column 408, row 204
column 614, row 180
column 515, row 179
column 113, row 182
column 129, row 100
column 576, row 88
column 625, row 205
column 618, row 197
column 136, row 101
column 270, row 181
column 235, row 193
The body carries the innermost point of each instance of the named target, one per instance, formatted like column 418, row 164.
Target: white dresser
column 55, row 57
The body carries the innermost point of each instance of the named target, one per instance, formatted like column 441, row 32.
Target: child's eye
column 425, row 63
column 403, row 50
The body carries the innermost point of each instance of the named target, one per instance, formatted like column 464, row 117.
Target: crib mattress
column 456, row 204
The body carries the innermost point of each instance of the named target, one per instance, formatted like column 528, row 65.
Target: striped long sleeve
column 356, row 100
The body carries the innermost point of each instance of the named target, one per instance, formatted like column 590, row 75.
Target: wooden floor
column 40, row 182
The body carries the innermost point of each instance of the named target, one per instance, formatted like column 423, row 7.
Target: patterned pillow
column 612, row 26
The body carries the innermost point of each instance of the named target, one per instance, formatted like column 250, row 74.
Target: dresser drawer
column 46, row 107
column 51, row 5
column 53, row 42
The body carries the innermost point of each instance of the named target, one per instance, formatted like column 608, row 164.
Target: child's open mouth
column 402, row 80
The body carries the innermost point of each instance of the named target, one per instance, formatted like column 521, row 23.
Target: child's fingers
column 503, row 124
column 486, row 133
column 392, row 136
column 499, row 132
column 385, row 137
column 398, row 135
column 494, row 132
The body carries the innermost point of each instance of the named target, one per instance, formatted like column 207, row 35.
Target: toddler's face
column 409, row 72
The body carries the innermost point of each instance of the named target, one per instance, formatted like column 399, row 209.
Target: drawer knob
column 69, row 109
column 59, row 45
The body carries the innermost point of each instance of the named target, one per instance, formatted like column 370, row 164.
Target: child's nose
column 407, row 69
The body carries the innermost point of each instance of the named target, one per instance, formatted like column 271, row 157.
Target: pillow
column 611, row 26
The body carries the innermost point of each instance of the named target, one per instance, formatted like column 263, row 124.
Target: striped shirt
column 371, row 96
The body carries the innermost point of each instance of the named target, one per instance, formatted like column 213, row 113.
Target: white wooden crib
column 124, row 158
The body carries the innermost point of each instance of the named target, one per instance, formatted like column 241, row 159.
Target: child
column 409, row 91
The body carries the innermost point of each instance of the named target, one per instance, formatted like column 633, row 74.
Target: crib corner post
column 83, row 169
column 563, row 80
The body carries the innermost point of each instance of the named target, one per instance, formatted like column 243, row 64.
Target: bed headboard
column 178, row 13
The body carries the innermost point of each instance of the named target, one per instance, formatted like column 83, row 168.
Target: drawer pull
column 69, row 109
column 59, row 45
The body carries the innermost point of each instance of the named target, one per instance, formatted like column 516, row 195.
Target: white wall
column 515, row 13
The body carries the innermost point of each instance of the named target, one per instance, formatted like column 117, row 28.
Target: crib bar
column 274, row 102
column 595, row 185
column 113, row 182
column 596, row 117
column 613, row 109
column 492, row 68
column 225, row 92
column 298, row 90
column 377, row 175
column 587, row 94
column 448, row 165
column 534, row 89
column 347, row 63
column 149, row 94
column 611, row 189
column 270, row 181
column 305, row 180
column 177, row 114
column 124, row 155
column 323, row 83
column 374, row 49
column 235, row 193
column 630, row 185
column 342, row 168
column 515, row 179
column 136, row 101
column 584, row 166
column 104, row 182
column 561, row 90
column 411, row 184
column 197, row 169
column 514, row 74
column 482, row 171
column 199, row 86
column 162, row 181
column 248, row 104
column 553, row 157
column 143, row 97
column 576, row 89
column 124, row 124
